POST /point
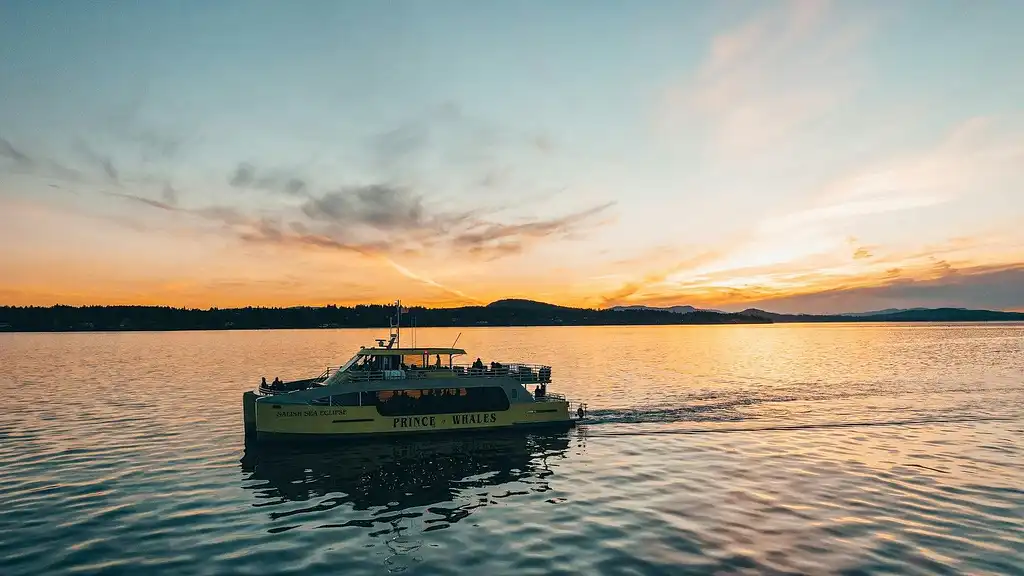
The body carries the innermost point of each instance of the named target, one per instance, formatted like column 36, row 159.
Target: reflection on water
column 448, row 477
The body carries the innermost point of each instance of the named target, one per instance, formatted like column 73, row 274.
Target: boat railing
column 577, row 410
column 526, row 373
column 550, row 397
column 373, row 375
column 272, row 389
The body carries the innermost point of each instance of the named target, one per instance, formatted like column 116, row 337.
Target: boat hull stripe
column 522, row 427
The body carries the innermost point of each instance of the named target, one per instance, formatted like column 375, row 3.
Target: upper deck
column 389, row 370
column 524, row 373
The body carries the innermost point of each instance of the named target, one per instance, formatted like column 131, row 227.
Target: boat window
column 437, row 401
column 347, row 399
column 377, row 363
column 413, row 360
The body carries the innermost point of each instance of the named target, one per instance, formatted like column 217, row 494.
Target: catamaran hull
column 266, row 420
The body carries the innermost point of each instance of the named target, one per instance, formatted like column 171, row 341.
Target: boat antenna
column 398, row 323
column 456, row 339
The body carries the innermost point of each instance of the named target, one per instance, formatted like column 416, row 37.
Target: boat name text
column 292, row 413
column 431, row 421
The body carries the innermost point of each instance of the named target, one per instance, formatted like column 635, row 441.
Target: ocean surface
column 804, row 449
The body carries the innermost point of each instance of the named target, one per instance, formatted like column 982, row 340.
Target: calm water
column 720, row 449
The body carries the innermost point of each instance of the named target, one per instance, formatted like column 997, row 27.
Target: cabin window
column 437, row 401
column 347, row 399
column 377, row 363
column 413, row 360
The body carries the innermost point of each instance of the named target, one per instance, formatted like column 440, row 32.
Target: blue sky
column 715, row 153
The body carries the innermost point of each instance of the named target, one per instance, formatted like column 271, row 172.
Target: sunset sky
column 805, row 156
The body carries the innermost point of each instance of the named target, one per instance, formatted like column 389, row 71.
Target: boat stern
column 249, row 412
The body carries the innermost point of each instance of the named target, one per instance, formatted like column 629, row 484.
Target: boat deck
column 524, row 373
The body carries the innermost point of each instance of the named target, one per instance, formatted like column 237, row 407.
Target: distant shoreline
column 503, row 314
column 236, row 329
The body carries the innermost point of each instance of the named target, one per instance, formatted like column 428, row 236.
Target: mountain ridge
column 906, row 315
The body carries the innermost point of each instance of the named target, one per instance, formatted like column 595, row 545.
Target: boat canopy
column 409, row 351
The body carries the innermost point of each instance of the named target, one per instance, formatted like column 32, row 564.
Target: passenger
column 263, row 382
column 437, row 360
column 579, row 412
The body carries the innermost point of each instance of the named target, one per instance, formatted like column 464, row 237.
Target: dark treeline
column 102, row 318
column 501, row 313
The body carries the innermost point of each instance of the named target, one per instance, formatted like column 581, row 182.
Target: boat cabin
column 389, row 359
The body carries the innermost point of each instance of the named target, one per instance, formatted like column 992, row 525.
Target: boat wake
column 790, row 409
column 780, row 412
column 594, row 429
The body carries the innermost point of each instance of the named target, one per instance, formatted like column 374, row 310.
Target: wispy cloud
column 629, row 289
column 266, row 231
column 423, row 279
column 245, row 175
column 380, row 206
column 998, row 287
column 501, row 238
column 104, row 162
column 7, row 150
column 769, row 77
column 974, row 154
column 169, row 194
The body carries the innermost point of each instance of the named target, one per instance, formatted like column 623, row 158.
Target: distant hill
column 673, row 309
column 949, row 315
column 521, row 304
column 909, row 315
column 880, row 312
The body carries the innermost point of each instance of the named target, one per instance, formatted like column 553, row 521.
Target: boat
column 386, row 390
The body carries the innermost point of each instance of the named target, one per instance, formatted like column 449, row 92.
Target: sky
column 806, row 156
